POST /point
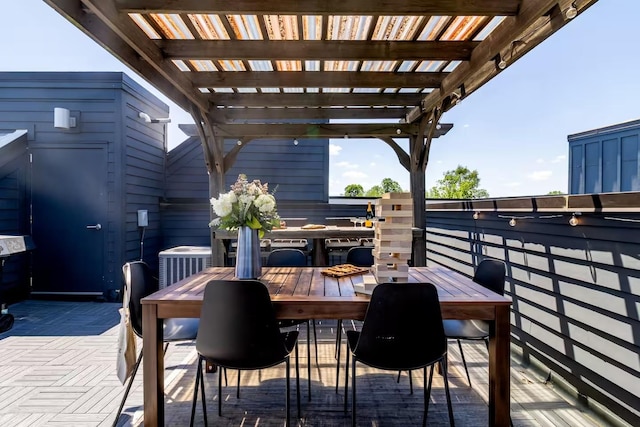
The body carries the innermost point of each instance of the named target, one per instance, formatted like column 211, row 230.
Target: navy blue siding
column 574, row 290
column 300, row 181
column 605, row 160
column 14, row 213
column 107, row 106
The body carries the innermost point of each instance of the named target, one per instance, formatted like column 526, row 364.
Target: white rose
column 221, row 207
column 266, row 203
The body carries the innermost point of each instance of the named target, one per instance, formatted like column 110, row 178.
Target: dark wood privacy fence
column 575, row 289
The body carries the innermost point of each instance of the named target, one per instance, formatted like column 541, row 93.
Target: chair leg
column 346, row 379
column 424, row 395
column 195, row 391
column 237, row 386
column 338, row 339
column 288, row 390
column 126, row 392
column 446, row 389
column 297, row 381
column 464, row 362
column 410, row 382
column 220, row 392
column 308, row 361
column 353, row 392
column 338, row 342
column 315, row 342
column 204, row 397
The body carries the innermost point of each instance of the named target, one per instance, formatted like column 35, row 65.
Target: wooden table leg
column 153, row 369
column 500, row 368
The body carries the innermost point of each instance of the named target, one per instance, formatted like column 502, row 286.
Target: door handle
column 95, row 227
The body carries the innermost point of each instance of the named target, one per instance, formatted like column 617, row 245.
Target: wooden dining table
column 305, row 293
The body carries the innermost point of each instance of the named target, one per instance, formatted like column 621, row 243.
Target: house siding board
column 574, row 291
column 610, row 180
column 14, row 280
column 306, row 163
column 144, row 175
column 108, row 104
column 605, row 159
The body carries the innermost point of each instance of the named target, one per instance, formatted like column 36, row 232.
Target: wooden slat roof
column 305, row 60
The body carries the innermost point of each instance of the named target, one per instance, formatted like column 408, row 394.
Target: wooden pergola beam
column 317, row 50
column 125, row 30
column 279, row 115
column 327, row 7
column 315, row 99
column 326, row 130
column 505, row 38
column 259, row 79
column 94, row 28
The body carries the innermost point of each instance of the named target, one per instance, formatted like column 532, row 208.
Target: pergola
column 285, row 65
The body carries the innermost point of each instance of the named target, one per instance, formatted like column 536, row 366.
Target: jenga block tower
column 393, row 237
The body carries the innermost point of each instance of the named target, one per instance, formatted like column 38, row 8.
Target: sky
column 513, row 130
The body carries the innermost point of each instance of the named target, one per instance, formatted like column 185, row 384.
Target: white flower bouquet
column 247, row 204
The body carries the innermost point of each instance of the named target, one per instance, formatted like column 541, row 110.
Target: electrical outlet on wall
column 143, row 218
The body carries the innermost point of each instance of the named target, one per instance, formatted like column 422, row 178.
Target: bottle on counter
column 368, row 217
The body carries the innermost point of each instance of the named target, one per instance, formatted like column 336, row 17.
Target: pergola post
column 419, row 146
column 213, row 147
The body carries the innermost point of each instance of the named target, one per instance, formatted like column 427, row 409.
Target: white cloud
column 540, row 160
column 465, row 125
column 558, row 159
column 372, row 164
column 540, row 175
column 354, row 174
column 334, row 149
column 513, row 184
column 347, row 165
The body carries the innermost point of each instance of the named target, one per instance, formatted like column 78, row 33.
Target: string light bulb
column 573, row 221
column 571, row 12
column 501, row 64
column 239, row 142
column 295, row 141
column 476, row 215
column 346, row 136
column 512, row 222
column 398, row 131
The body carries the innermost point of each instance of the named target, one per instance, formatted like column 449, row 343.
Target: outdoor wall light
column 512, row 222
column 148, row 119
column 476, row 215
column 62, row 119
column 501, row 64
column 571, row 12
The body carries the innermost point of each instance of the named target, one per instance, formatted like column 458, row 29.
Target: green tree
column 375, row 191
column 555, row 193
column 460, row 183
column 390, row 186
column 354, row 190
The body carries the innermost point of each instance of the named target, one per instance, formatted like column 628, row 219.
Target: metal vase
column 248, row 260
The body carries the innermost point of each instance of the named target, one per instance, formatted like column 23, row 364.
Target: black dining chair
column 140, row 282
column 288, row 257
column 402, row 331
column 491, row 274
column 360, row 256
column 238, row 330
